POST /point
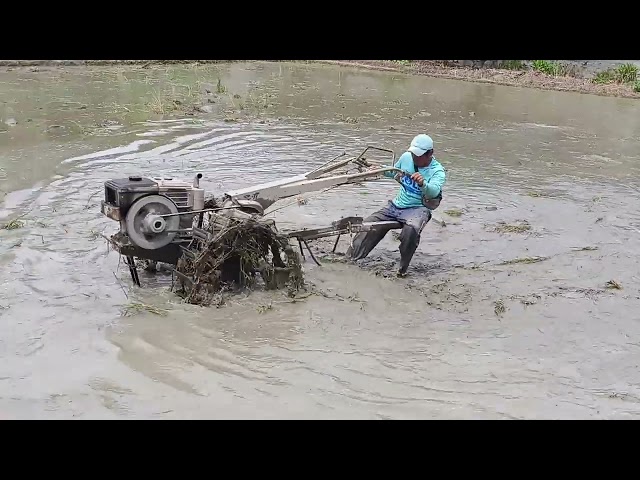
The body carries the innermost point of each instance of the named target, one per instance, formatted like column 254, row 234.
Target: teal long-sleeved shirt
column 410, row 194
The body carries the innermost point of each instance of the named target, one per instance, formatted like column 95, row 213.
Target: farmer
column 420, row 193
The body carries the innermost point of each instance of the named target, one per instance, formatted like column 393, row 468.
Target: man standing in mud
column 420, row 193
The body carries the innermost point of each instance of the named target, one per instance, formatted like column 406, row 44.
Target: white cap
column 421, row 144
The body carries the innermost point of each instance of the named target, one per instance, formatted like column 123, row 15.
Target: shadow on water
column 492, row 322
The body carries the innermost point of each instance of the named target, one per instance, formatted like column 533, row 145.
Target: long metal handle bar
column 328, row 167
column 269, row 193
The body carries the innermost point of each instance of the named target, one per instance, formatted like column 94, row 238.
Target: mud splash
column 473, row 332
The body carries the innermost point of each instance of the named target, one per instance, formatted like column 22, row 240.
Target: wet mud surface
column 579, row 79
column 508, row 310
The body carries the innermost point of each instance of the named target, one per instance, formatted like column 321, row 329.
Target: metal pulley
column 146, row 228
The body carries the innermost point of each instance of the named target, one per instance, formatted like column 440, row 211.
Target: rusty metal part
column 347, row 225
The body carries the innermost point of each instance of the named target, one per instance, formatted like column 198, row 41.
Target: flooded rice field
column 522, row 304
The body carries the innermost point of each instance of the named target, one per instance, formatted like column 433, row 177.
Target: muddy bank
column 76, row 63
column 515, row 78
column 578, row 78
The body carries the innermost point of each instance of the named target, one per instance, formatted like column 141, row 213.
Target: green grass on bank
column 626, row 74
column 552, row 68
column 623, row 74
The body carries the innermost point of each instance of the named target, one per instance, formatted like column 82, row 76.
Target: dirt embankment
column 499, row 76
column 76, row 63
column 455, row 70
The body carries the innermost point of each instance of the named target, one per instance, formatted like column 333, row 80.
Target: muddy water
column 434, row 345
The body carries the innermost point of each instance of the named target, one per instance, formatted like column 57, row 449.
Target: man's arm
column 436, row 182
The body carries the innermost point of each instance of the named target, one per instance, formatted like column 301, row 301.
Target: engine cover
column 134, row 201
column 120, row 194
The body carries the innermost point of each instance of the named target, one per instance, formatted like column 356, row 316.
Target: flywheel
column 146, row 228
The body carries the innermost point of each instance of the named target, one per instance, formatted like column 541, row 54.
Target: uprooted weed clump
column 503, row 227
column 236, row 255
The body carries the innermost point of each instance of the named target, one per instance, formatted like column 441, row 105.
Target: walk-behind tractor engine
column 161, row 218
column 155, row 215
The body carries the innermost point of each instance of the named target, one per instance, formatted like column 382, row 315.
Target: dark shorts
column 416, row 217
